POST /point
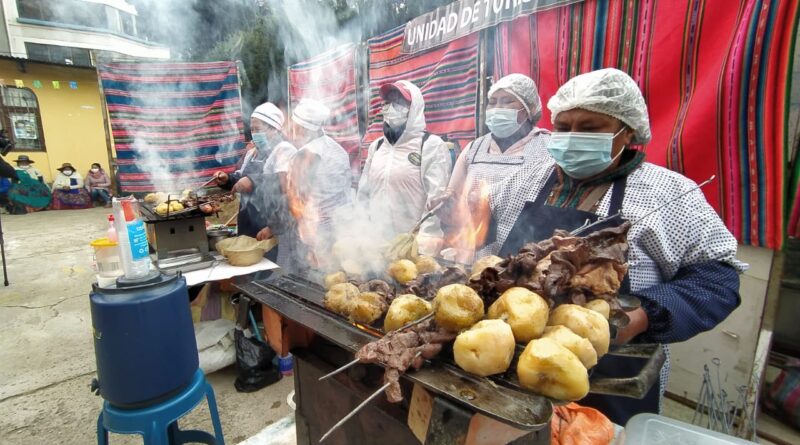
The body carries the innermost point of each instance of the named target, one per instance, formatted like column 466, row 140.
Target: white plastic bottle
column 111, row 233
column 133, row 246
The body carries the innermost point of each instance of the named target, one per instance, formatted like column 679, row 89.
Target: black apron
column 536, row 222
column 250, row 220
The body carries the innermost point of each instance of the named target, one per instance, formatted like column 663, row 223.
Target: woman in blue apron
column 682, row 259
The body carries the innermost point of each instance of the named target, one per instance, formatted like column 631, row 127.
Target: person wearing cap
column 513, row 110
column 320, row 179
column 257, row 180
column 25, row 164
column 405, row 168
column 68, row 190
column 682, row 258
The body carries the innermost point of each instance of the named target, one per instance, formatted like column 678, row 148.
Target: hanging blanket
column 330, row 77
column 447, row 76
column 174, row 124
column 714, row 74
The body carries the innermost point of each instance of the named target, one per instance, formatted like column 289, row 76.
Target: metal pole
column 3, row 254
column 106, row 125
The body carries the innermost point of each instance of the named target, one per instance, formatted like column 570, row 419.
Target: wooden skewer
column 231, row 218
column 355, row 362
column 356, row 410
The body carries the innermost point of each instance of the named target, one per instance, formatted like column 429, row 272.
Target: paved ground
column 46, row 355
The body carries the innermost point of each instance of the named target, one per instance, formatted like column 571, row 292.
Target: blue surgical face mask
column 502, row 122
column 582, row 155
column 262, row 141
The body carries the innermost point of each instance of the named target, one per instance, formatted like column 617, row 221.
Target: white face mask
column 95, row 170
column 67, row 172
column 395, row 115
column 25, row 166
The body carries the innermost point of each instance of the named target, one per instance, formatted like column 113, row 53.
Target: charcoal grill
column 457, row 394
column 179, row 239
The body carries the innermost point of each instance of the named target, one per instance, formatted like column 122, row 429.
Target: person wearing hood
column 513, row 110
column 320, row 179
column 406, row 168
column 68, row 190
column 257, row 180
column 682, row 258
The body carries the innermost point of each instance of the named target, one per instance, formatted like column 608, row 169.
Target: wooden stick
column 231, row 218
column 356, row 410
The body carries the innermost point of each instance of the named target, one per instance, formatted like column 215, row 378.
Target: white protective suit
column 399, row 179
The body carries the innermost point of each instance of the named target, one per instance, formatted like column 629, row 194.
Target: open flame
column 473, row 214
column 301, row 204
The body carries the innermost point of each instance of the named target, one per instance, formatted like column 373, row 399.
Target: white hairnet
column 523, row 88
column 269, row 114
column 608, row 91
column 311, row 114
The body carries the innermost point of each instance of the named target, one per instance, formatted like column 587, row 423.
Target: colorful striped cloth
column 447, row 76
column 714, row 73
column 174, row 124
column 330, row 77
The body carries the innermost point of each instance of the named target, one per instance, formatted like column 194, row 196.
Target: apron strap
column 594, row 197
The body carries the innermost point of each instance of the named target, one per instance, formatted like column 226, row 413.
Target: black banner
column 464, row 17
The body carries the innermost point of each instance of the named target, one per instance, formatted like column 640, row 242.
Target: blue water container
column 144, row 340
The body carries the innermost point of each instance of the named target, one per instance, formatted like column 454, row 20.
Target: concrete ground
column 46, row 354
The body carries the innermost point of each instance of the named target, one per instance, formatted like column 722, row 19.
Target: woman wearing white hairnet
column 682, row 258
column 513, row 110
column 319, row 181
column 405, row 168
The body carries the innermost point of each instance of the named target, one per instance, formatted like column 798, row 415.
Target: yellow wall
column 72, row 120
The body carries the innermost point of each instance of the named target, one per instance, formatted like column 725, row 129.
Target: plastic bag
column 253, row 364
column 782, row 397
column 573, row 424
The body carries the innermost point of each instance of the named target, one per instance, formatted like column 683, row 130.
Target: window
column 70, row 12
column 128, row 23
column 58, row 54
column 19, row 113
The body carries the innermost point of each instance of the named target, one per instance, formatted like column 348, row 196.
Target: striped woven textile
column 447, row 76
column 174, row 124
column 714, row 74
column 330, row 77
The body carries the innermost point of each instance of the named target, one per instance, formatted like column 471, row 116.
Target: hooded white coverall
column 399, row 179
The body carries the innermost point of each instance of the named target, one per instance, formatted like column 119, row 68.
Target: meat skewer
column 357, row 360
column 355, row 411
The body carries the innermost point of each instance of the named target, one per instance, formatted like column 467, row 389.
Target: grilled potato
column 552, row 370
column 584, row 322
column 340, row 298
column 457, row 307
column 483, row 263
column 335, row 278
column 600, row 306
column 486, row 348
column 367, row 307
column 402, row 271
column 581, row 347
column 426, row 264
column 405, row 309
column 525, row 311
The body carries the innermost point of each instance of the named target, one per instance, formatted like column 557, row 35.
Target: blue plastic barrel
column 143, row 340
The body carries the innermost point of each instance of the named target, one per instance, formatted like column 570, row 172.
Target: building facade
column 72, row 32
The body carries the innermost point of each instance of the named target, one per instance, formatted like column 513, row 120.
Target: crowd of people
column 25, row 191
column 532, row 181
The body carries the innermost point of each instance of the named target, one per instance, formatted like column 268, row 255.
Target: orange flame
column 301, row 203
column 471, row 210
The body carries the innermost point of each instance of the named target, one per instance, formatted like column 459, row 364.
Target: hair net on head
column 523, row 88
column 608, row 91
column 269, row 114
column 311, row 114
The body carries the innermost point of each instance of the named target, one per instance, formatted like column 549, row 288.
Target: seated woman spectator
column 68, row 191
column 29, row 193
column 99, row 185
